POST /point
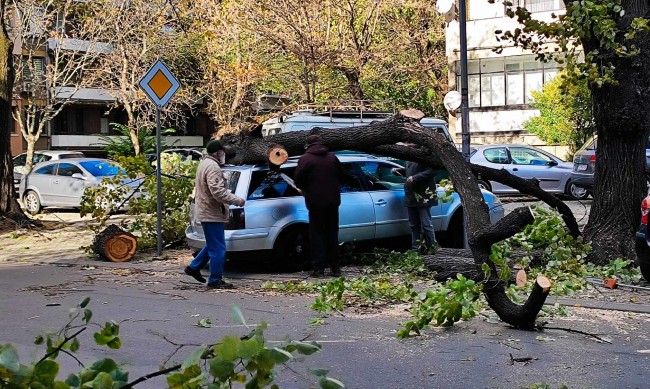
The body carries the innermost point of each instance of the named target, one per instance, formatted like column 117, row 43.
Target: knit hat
column 314, row 140
column 213, row 146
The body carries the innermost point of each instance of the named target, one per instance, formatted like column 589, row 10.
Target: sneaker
column 317, row 273
column 196, row 274
column 221, row 284
column 336, row 272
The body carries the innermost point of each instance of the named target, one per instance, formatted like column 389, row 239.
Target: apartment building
column 88, row 112
column 500, row 84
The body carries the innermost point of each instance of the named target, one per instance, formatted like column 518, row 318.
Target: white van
column 305, row 120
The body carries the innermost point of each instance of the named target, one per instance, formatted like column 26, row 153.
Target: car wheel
column 643, row 256
column 576, row 192
column 484, row 185
column 32, row 202
column 291, row 248
column 455, row 235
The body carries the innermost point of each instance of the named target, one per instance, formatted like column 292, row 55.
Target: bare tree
column 140, row 32
column 56, row 48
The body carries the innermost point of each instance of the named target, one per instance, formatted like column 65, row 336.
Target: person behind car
column 211, row 199
column 318, row 175
column 420, row 195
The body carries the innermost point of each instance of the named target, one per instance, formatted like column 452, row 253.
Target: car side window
column 382, row 175
column 68, row 169
column 497, row 155
column 266, row 184
column 20, row 160
column 351, row 181
column 49, row 169
column 525, row 156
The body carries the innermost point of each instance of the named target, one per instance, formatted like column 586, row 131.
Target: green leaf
column 331, row 383
column 238, row 316
column 39, row 340
column 74, row 346
column 228, row 349
column 105, row 365
column 249, row 348
column 221, row 369
column 9, row 357
column 88, row 314
column 103, row 381
column 194, row 358
column 45, row 372
column 60, row 385
column 114, row 343
column 307, row 348
column 279, row 355
column 73, row 380
column 204, row 323
column 84, row 302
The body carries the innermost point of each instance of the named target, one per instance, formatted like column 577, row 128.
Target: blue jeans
column 420, row 223
column 213, row 251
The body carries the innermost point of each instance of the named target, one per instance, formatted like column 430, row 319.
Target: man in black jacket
column 318, row 176
column 420, row 195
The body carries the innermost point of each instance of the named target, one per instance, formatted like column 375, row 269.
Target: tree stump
column 115, row 245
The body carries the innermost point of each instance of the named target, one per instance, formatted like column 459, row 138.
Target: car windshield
column 101, row 168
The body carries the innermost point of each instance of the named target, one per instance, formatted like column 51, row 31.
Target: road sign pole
column 158, row 187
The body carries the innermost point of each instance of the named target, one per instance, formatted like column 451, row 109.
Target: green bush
column 177, row 187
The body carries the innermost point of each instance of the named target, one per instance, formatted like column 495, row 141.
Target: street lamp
column 443, row 7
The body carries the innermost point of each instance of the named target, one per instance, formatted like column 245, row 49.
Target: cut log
column 115, row 245
column 277, row 155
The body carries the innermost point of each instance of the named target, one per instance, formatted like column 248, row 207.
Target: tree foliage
column 566, row 115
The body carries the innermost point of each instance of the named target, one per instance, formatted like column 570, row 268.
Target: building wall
column 499, row 82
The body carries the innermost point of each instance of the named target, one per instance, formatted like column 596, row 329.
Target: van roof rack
column 350, row 108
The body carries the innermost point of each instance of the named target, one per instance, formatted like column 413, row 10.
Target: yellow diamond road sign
column 159, row 84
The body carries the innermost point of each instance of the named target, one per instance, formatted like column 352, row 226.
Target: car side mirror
column 552, row 163
column 79, row 176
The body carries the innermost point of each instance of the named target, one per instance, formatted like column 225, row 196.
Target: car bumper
column 236, row 240
column 583, row 180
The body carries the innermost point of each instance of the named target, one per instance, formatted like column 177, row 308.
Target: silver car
column 275, row 217
column 554, row 174
column 61, row 183
column 19, row 161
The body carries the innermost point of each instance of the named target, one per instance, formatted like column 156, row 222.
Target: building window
column 494, row 82
column 542, row 5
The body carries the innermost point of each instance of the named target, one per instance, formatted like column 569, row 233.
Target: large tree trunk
column 622, row 114
column 381, row 137
column 8, row 205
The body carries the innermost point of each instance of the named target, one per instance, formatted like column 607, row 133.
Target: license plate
column 581, row 167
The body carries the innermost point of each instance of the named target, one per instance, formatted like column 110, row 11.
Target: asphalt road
column 359, row 348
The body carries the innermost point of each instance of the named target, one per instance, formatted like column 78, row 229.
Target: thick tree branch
column 510, row 225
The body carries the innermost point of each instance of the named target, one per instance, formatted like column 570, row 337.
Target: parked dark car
column 643, row 240
column 584, row 163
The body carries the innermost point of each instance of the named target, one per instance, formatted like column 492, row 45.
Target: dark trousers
column 324, row 236
column 421, row 225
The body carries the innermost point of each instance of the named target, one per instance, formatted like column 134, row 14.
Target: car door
column 67, row 190
column 356, row 212
column 497, row 158
column 530, row 163
column 386, row 190
column 41, row 181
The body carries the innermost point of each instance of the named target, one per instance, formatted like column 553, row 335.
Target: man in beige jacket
column 211, row 200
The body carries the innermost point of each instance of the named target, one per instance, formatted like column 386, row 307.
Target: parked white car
column 275, row 218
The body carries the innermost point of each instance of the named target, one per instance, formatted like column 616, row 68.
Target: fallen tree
column 382, row 138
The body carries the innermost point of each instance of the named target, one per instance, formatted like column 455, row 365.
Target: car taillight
column 592, row 160
column 645, row 210
column 236, row 220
